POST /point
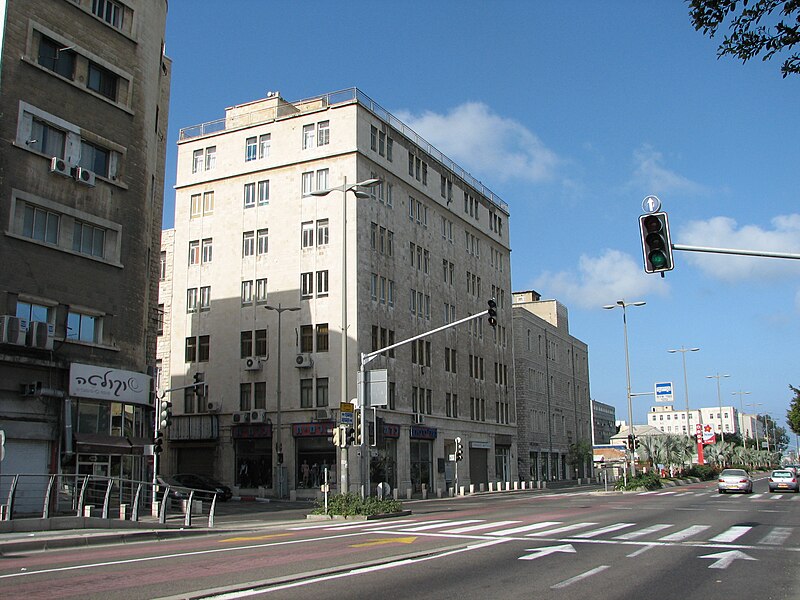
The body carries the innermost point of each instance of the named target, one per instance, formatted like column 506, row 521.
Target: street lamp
column 741, row 415
column 278, row 445
column 624, row 305
column 719, row 398
column 344, row 188
column 683, row 352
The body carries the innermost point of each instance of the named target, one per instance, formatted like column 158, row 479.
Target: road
column 678, row 543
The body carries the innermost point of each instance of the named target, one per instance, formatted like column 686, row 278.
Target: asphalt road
column 685, row 542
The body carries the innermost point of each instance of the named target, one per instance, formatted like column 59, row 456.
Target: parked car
column 783, row 479
column 208, row 485
column 177, row 491
column 734, row 480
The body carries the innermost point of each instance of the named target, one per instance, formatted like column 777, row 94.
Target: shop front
column 252, row 455
column 383, row 458
column 421, row 457
column 314, row 455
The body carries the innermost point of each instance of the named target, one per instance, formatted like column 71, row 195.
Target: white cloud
column 723, row 232
column 650, row 174
column 486, row 143
column 601, row 280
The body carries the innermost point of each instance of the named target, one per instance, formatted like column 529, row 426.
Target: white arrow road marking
column 724, row 559
column 539, row 552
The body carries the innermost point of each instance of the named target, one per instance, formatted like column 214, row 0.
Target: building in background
column 552, row 386
column 668, row 420
column 604, row 417
column 260, row 256
column 85, row 97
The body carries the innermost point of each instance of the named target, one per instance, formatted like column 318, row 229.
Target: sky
column 572, row 113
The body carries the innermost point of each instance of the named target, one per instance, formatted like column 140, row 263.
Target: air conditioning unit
column 213, row 406
column 418, row 419
column 41, row 335
column 253, row 364
column 258, row 415
column 13, row 330
column 84, row 176
column 241, row 417
column 323, row 414
column 59, row 166
column 303, row 360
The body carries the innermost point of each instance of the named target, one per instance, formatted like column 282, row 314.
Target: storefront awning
column 97, row 443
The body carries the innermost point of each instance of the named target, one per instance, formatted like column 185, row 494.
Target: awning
column 97, row 443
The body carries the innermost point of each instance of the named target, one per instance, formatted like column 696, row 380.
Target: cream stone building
column 260, row 256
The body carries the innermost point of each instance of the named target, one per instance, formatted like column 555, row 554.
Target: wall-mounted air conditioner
column 59, row 166
column 253, row 364
column 13, row 330
column 258, row 415
column 84, row 176
column 323, row 414
column 303, row 360
column 213, row 406
column 241, row 417
column 41, row 335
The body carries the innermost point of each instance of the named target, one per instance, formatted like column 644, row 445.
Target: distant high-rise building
column 85, row 98
column 604, row 418
column 421, row 244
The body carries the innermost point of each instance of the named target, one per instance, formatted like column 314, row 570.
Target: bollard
column 451, row 492
column 395, row 494
column 408, row 493
column 438, row 492
column 87, row 511
column 482, row 487
column 491, row 486
column 463, row 488
column 123, row 512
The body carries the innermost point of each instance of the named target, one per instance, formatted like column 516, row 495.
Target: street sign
column 651, row 204
column 377, row 384
column 346, row 418
column 663, row 391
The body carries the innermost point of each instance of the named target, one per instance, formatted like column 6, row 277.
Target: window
column 249, row 195
column 53, row 56
column 102, row 81
column 322, row 283
column 322, row 232
column 308, row 136
column 46, row 139
column 191, row 349
column 191, row 300
column 260, row 397
column 162, row 271
column 323, row 133
column 88, row 239
column 306, row 338
column 208, row 203
column 194, row 252
column 94, row 158
column 203, row 348
column 109, row 11
column 261, row 290
column 307, row 234
column 250, row 149
column 195, row 206
column 322, row 337
column 306, row 285
column 308, row 183
column 322, row 391
column 211, row 157
column 245, row 396
column 261, row 342
column 263, row 192
column 248, row 243
column 389, row 148
column 264, row 142
column 306, row 392
column 207, row 248
column 262, row 245
column 247, row 292
column 205, row 297
column 82, row 327
column 197, row 161
column 373, row 138
column 39, row 224
column 246, row 344
column 322, row 179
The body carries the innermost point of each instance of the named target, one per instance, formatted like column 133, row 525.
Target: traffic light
column 492, row 312
column 340, row 436
column 350, row 437
column 656, row 243
column 380, row 436
column 357, row 427
column 631, row 442
column 158, row 443
column 459, row 449
column 165, row 417
column 200, row 386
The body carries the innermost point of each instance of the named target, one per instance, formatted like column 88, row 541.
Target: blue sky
column 572, row 113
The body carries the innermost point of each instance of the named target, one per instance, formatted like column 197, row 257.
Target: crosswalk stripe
column 755, row 496
column 559, row 530
column 684, row 534
column 480, row 526
column 666, row 493
column 602, row 530
column 524, row 528
column 776, row 536
column 732, row 534
column 437, row 524
column 643, row 532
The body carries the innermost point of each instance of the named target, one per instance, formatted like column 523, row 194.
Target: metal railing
column 238, row 120
column 60, row 495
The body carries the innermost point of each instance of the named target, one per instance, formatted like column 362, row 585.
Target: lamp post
column 741, row 414
column 622, row 304
column 344, row 188
column 719, row 399
column 683, row 352
column 278, row 443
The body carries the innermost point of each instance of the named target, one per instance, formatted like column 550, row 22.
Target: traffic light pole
column 760, row 253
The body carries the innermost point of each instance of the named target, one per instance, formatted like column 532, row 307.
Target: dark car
column 205, row 487
column 177, row 491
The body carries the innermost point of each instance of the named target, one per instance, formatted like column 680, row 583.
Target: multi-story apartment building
column 668, row 420
column 604, row 417
column 85, row 92
column 272, row 238
column 552, row 386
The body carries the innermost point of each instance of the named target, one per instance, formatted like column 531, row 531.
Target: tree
column 793, row 414
column 578, row 456
column 750, row 35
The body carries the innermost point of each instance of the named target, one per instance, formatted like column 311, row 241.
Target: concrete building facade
column 604, row 418
column 552, row 385
column 365, row 268
column 85, row 97
column 728, row 420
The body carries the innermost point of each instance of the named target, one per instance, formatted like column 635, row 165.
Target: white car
column 735, row 480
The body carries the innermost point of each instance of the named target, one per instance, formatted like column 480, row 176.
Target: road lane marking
column 724, row 559
column 776, row 536
column 480, row 526
column 437, row 525
column 580, row 577
column 731, row 535
column 602, row 530
column 684, row 534
column 755, row 496
column 643, row 532
column 546, row 551
column 560, row 530
column 524, row 528
column 253, row 538
column 641, row 550
column 384, row 541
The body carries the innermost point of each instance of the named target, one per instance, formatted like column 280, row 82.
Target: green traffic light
column 658, row 259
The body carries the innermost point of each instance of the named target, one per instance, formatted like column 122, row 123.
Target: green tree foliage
column 756, row 28
column 793, row 414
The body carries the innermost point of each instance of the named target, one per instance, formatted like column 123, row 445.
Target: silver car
column 735, row 480
column 784, row 479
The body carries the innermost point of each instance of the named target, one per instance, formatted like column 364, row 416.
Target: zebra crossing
column 664, row 533
column 714, row 494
